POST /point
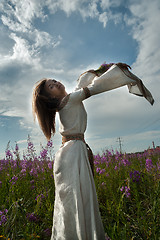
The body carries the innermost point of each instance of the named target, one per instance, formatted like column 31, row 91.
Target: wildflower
column 135, row 176
column 103, row 159
column 31, row 217
column 49, row 144
column 50, row 165
column 33, row 172
column 23, row 170
column 96, row 162
column 125, row 162
column 3, row 219
column 13, row 180
column 16, row 147
column 41, row 196
column 9, row 154
column 30, row 145
column 149, row 165
column 102, row 171
column 158, row 165
column 126, row 191
column 43, row 153
column 115, row 168
column 121, row 189
column 98, row 170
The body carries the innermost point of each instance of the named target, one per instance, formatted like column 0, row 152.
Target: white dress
column 76, row 210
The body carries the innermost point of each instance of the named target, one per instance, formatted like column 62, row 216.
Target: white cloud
column 103, row 18
column 22, row 51
column 22, row 12
column 145, row 22
column 105, row 4
column 18, row 16
column 13, row 25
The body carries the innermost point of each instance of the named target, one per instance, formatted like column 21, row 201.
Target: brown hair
column 44, row 108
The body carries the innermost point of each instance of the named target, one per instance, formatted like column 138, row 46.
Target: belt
column 80, row 136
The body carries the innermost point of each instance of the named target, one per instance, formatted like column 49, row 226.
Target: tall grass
column 128, row 189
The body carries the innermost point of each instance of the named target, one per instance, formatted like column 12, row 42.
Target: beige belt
column 80, row 136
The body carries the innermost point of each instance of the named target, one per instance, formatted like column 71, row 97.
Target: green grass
column 128, row 190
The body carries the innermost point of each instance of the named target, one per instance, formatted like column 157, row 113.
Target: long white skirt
column 76, row 210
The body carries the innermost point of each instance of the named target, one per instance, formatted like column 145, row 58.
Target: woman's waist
column 73, row 136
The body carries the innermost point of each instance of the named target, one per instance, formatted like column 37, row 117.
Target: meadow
column 128, row 190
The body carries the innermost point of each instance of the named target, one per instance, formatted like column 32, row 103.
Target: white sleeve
column 85, row 79
column 115, row 78
column 79, row 95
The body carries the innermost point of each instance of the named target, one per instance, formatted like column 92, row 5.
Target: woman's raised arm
column 117, row 77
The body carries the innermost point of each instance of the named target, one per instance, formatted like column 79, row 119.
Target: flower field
column 128, row 190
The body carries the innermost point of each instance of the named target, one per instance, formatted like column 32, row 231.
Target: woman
column 76, row 211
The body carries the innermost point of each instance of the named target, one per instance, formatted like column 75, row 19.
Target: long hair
column 44, row 108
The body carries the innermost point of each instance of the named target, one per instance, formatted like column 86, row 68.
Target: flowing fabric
column 76, row 211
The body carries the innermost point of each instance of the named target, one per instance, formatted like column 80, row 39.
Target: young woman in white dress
column 76, row 211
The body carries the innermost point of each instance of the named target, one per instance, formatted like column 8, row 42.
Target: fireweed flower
column 115, row 168
column 13, row 180
column 158, row 165
column 121, row 189
column 103, row 183
column 30, row 146
column 43, row 153
column 3, row 218
column 16, row 147
column 102, row 171
column 125, row 162
column 9, row 154
column 103, row 159
column 41, row 196
column 49, row 144
column 96, row 162
column 23, row 171
column 50, row 165
column 33, row 172
column 149, row 165
column 126, row 191
column 98, row 170
column 32, row 217
column 135, row 176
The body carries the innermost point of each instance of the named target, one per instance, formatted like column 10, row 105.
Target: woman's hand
column 123, row 65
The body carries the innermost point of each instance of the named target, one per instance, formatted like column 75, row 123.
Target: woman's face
column 54, row 88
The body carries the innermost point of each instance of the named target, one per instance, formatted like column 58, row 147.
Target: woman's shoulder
column 64, row 101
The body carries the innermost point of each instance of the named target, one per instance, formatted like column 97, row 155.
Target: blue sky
column 61, row 39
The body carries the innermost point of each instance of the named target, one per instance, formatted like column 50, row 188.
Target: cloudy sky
column 63, row 38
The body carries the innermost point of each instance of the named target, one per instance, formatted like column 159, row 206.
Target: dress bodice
column 73, row 116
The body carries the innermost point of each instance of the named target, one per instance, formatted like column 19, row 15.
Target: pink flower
column 149, row 165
